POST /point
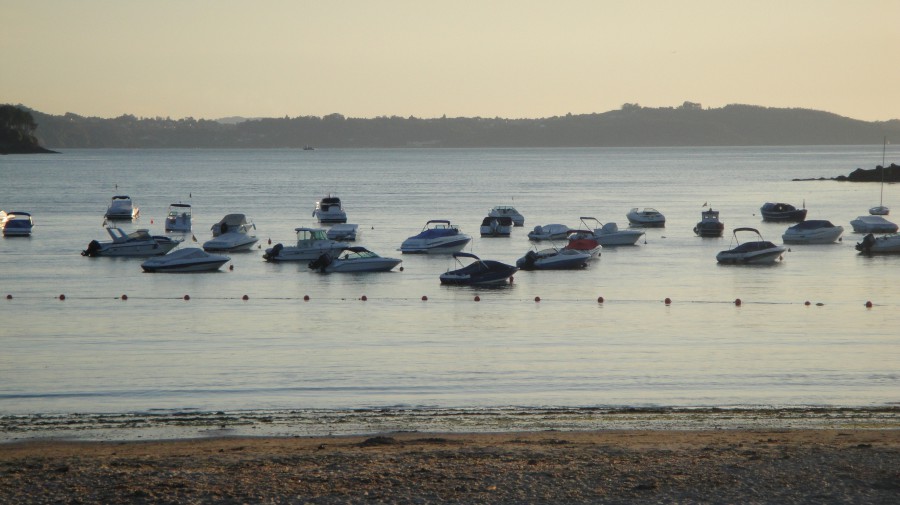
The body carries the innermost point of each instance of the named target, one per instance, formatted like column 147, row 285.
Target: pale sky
column 515, row 59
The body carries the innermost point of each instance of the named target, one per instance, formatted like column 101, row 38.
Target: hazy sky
column 271, row 58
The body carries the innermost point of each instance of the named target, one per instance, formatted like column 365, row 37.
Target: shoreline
column 188, row 424
column 605, row 466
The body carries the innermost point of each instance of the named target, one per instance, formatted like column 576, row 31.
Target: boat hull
column 825, row 236
column 131, row 250
column 887, row 244
column 204, row 266
column 484, row 273
column 230, row 242
column 362, row 265
column 435, row 246
column 763, row 257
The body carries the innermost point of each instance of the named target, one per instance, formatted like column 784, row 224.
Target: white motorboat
column 121, row 207
column 647, row 217
column 549, row 232
column 189, row 259
column 311, row 243
column 553, row 259
column 353, row 260
column 16, row 223
column 496, row 226
column 179, row 217
column 344, row 231
column 609, row 234
column 438, row 236
column 884, row 244
column 330, row 210
column 812, row 231
column 709, row 224
column 873, row 224
column 751, row 252
column 234, row 232
column 510, row 212
column 137, row 243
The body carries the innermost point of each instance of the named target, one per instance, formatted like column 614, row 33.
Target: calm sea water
column 94, row 352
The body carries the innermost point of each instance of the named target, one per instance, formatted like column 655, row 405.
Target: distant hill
column 631, row 126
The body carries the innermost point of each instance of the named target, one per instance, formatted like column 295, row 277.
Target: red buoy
column 363, row 298
column 869, row 305
column 62, row 297
column 537, row 298
column 599, row 299
column 305, row 298
column 124, row 297
column 668, row 301
column 511, row 279
column 270, row 241
column 737, row 302
column 9, row 297
column 477, row 298
column 401, row 268
column 187, row 297
column 245, row 298
column 806, row 303
column 424, row 298
column 231, row 267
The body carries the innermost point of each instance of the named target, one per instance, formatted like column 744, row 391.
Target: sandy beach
column 615, row 466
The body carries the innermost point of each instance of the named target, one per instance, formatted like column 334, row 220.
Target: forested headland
column 630, row 126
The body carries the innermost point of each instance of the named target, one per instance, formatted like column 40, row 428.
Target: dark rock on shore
column 891, row 174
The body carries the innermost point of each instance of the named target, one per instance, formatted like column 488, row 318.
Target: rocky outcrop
column 891, row 174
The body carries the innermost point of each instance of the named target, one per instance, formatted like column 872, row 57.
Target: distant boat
column 709, row 224
column 16, row 223
column 646, row 217
column 751, row 252
column 330, row 210
column 121, row 207
column 880, row 209
column 873, row 224
column 179, row 217
column 782, row 212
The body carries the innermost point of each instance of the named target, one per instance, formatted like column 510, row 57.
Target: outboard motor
column 865, row 246
column 321, row 262
column 273, row 254
column 92, row 249
column 530, row 258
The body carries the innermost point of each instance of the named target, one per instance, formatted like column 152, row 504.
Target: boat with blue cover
column 478, row 273
column 438, row 236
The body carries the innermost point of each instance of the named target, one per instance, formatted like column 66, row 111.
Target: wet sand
column 609, row 466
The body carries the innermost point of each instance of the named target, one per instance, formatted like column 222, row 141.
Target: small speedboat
column 709, row 224
column 137, row 243
column 311, row 243
column 496, row 226
column 646, row 217
column 782, row 212
column 353, row 259
column 16, row 223
column 885, row 244
column 879, row 210
column 330, row 210
column 189, row 259
column 585, row 242
column 812, row 231
column 549, row 232
column 553, row 259
column 510, row 212
column 751, row 252
column 344, row 231
column 121, row 207
column 179, row 217
column 873, row 224
column 438, row 236
column 234, row 232
column 478, row 273
column 609, row 234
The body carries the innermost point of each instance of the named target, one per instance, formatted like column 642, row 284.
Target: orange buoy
column 599, row 299
column 305, row 298
column 270, row 241
column 124, row 297
column 62, row 297
column 231, row 266
column 187, row 297
column 477, row 298
column 363, row 298
column 245, row 298
column 869, row 305
column 9, row 297
column 537, row 298
column 806, row 303
column 737, row 302
column 424, row 298
column 668, row 301
column 151, row 221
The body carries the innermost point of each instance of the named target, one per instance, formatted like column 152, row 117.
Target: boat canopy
column 461, row 254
